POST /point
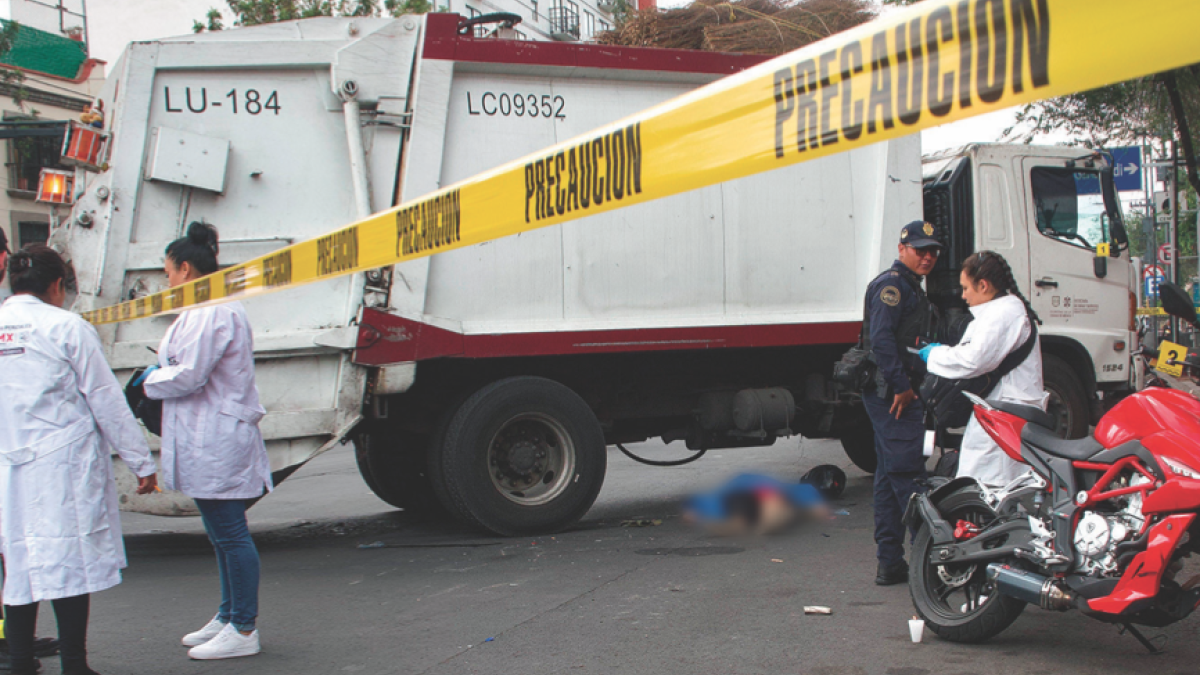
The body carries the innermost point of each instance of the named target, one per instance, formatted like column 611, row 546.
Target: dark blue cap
column 920, row 234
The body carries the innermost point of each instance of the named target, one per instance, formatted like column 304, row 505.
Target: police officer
column 898, row 313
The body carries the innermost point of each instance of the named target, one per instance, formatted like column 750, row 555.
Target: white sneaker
column 228, row 644
column 203, row 635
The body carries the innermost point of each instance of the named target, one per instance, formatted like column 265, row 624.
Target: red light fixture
column 84, row 146
column 56, row 187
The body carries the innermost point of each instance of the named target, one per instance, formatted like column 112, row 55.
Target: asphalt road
column 603, row 598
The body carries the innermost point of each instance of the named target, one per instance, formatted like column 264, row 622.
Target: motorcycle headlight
column 1179, row 468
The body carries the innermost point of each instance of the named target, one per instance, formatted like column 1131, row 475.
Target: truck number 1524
column 251, row 101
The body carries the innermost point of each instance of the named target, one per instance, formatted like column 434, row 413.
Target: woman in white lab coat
column 1001, row 325
column 61, row 412
column 212, row 449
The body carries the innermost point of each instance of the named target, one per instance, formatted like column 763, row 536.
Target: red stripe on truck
column 442, row 41
column 386, row 338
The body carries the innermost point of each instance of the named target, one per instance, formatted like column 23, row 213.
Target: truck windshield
column 1070, row 205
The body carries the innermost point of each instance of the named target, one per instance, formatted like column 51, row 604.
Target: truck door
column 1069, row 214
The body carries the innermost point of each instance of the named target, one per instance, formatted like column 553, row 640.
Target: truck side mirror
column 1100, row 262
column 1116, row 225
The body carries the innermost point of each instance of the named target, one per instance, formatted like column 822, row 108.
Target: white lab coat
column 211, row 445
column 1000, row 327
column 61, row 410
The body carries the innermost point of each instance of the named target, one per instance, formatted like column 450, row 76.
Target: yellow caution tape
column 1151, row 311
column 934, row 62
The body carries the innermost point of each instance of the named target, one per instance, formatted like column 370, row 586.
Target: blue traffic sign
column 1152, row 284
column 1127, row 168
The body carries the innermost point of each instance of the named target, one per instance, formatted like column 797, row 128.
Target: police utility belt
column 857, row 371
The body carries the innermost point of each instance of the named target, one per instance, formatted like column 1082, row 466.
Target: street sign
column 1162, row 206
column 1127, row 168
column 1151, row 288
column 1165, row 254
column 1153, row 271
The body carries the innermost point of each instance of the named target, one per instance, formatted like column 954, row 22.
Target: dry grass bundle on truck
column 744, row 26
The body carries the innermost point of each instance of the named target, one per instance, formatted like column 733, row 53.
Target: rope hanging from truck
column 655, row 462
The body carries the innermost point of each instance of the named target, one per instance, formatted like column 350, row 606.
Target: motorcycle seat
column 1046, row 440
column 1031, row 414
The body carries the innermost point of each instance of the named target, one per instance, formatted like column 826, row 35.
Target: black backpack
column 148, row 410
column 943, row 396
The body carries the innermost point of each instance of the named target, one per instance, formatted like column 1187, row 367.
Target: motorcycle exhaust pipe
column 1030, row 587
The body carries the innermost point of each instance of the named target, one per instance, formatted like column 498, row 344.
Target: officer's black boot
column 892, row 575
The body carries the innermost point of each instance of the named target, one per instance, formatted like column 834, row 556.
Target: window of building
column 28, row 156
column 534, row 4
column 589, row 24
column 479, row 31
column 32, row 232
column 604, row 26
column 564, row 18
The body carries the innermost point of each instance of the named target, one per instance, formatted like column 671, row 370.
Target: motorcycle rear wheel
column 957, row 602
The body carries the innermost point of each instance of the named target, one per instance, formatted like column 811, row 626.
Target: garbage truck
column 488, row 382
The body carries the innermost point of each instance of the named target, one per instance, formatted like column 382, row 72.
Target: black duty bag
column 148, row 410
column 855, row 371
column 943, row 397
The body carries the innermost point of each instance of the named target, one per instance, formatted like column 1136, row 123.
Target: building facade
column 59, row 82
column 568, row 20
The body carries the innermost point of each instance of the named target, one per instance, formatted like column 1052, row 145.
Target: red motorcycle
column 1099, row 525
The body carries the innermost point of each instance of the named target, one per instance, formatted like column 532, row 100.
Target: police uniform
column 897, row 313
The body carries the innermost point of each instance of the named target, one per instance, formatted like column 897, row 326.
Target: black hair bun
column 19, row 262
column 203, row 234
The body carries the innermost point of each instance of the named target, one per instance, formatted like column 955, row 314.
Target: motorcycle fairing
column 1142, row 579
column 1149, row 412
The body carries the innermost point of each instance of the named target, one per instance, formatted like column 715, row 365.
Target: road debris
column 817, row 609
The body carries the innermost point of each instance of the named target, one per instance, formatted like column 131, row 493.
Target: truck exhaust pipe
column 1030, row 587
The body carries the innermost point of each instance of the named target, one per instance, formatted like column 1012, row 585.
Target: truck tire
column 859, row 444
column 1068, row 398
column 392, row 463
column 523, row 455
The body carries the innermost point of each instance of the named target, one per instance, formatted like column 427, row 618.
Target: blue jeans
column 237, row 560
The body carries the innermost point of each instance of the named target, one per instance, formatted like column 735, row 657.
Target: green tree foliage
column 11, row 76
column 257, row 12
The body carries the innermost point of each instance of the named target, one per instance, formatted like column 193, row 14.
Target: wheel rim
column 1060, row 411
column 531, row 459
column 959, row 592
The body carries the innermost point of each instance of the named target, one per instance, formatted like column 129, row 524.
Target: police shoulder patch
column 890, row 296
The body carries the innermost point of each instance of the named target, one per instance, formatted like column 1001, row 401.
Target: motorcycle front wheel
column 956, row 600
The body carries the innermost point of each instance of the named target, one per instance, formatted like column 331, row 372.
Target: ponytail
column 991, row 267
column 34, row 269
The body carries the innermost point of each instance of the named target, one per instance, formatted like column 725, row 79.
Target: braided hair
column 992, row 267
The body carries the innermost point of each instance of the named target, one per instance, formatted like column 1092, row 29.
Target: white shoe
column 203, row 635
column 228, row 644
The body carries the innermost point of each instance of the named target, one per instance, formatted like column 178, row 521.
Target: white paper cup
column 916, row 627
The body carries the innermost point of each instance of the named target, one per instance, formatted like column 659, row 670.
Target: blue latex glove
column 924, row 352
column 142, row 378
